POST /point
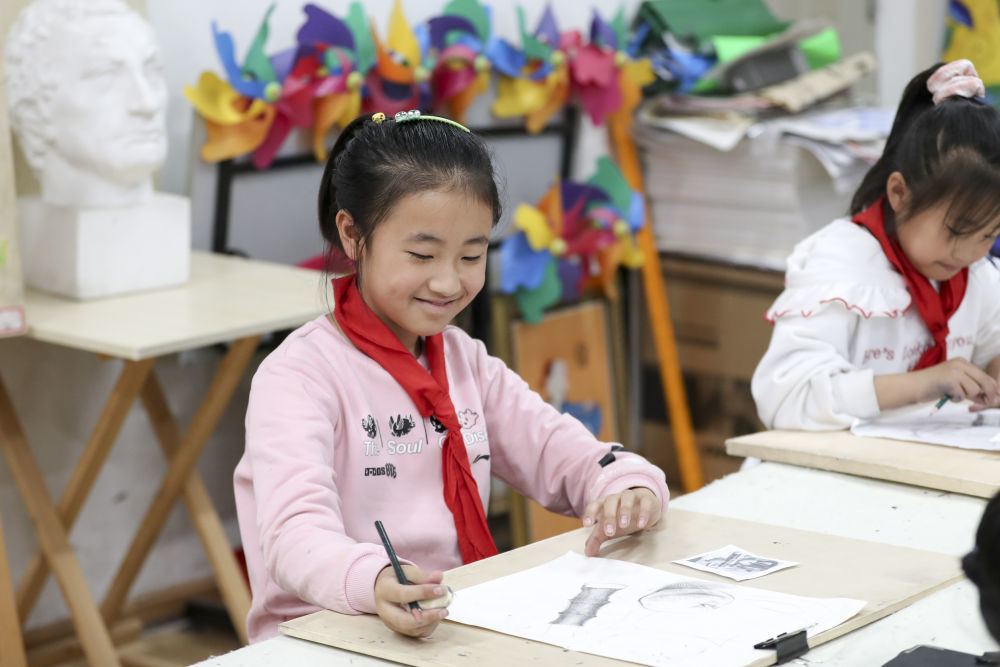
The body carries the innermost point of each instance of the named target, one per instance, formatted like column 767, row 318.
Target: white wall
column 59, row 392
column 908, row 39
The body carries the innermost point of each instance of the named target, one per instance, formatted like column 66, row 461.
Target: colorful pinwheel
column 339, row 67
column 606, row 76
column 542, row 86
column 317, row 84
column 397, row 81
column 575, row 238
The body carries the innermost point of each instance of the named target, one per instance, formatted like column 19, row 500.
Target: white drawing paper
column 632, row 612
column 953, row 425
column 736, row 563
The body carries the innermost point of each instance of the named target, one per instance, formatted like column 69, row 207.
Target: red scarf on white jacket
column 935, row 306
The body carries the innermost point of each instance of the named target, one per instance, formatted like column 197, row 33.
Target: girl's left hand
column 620, row 514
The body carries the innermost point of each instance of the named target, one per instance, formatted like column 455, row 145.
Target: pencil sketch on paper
column 684, row 596
column 735, row 563
column 953, row 425
column 585, row 604
column 647, row 616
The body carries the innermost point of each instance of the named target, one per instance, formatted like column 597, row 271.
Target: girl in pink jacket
column 381, row 411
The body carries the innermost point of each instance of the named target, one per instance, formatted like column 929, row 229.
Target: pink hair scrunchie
column 958, row 77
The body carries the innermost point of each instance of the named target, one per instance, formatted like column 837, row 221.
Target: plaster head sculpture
column 87, row 98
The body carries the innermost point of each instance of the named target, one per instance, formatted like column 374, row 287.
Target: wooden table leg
column 228, row 575
column 688, row 458
column 179, row 471
column 11, row 643
column 94, row 454
column 52, row 537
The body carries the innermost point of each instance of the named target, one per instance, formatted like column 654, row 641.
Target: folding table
column 227, row 300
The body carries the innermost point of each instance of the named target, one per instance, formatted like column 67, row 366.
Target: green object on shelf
column 821, row 49
column 702, row 19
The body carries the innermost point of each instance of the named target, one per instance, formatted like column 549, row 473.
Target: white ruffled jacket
column 845, row 316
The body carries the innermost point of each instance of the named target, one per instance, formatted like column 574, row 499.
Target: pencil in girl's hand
column 400, row 575
column 937, row 406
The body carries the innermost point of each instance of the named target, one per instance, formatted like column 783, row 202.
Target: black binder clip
column 789, row 645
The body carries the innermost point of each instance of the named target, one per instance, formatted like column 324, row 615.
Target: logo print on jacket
column 400, row 425
column 368, row 423
column 467, row 418
column 481, row 457
column 388, row 470
column 438, row 426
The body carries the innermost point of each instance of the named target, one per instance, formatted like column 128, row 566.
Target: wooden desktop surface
column 974, row 472
column 809, row 500
column 887, row 577
column 225, row 298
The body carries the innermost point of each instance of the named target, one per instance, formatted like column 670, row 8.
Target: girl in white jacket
column 898, row 304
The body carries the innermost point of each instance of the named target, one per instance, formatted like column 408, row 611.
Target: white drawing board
column 633, row 612
column 973, row 472
column 887, row 577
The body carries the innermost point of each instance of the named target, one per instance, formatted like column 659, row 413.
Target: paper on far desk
column 953, row 425
column 735, row 563
column 632, row 612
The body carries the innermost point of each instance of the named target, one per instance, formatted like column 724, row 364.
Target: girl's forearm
column 897, row 390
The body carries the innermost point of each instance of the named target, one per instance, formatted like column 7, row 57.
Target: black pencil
column 400, row 575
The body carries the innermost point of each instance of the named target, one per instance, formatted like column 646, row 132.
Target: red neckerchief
column 935, row 306
column 429, row 391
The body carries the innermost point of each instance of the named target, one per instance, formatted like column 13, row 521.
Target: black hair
column 982, row 565
column 374, row 165
column 946, row 152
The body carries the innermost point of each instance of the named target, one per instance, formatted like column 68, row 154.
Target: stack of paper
column 763, row 195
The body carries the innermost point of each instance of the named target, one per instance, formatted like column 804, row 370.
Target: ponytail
column 947, row 153
column 915, row 101
column 327, row 204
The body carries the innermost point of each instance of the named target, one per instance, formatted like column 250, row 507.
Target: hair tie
column 414, row 114
column 378, row 117
column 957, row 78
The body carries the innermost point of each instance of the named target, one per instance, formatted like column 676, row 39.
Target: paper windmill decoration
column 456, row 53
column 535, row 82
column 398, row 81
column 604, row 73
column 575, row 238
column 339, row 67
column 607, row 77
column 315, row 84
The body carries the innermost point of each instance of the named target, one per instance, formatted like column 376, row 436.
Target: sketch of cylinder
column 585, row 604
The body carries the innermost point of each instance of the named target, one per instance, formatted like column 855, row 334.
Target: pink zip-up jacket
column 334, row 442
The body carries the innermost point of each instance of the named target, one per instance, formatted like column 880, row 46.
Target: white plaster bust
column 87, row 98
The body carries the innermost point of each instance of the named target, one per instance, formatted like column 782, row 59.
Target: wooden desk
column 227, row 300
column 972, row 471
column 837, row 505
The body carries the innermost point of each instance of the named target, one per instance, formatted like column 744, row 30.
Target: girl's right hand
column 960, row 379
column 392, row 601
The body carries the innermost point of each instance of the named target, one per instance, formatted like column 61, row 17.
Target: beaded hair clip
column 413, row 114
